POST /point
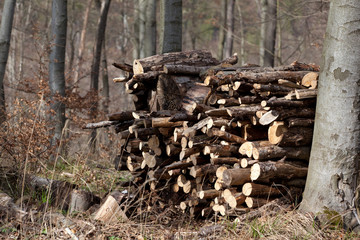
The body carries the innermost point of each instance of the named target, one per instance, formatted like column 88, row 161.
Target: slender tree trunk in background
column 230, row 20
column 242, row 37
column 172, row 25
column 57, row 65
column 105, row 80
column 135, row 38
column 150, row 29
column 222, row 29
column 268, row 32
column 5, row 36
column 142, row 21
column 95, row 66
column 81, row 47
column 332, row 180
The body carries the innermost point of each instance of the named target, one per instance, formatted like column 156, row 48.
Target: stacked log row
column 237, row 138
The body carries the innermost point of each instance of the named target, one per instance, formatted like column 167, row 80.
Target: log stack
column 220, row 138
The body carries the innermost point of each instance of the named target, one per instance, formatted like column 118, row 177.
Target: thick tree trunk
column 57, row 64
column 172, row 26
column 333, row 171
column 105, row 92
column 95, row 66
column 268, row 32
column 5, row 34
column 229, row 38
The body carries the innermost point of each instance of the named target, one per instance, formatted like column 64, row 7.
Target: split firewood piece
column 254, row 133
column 197, row 159
column 300, row 122
column 260, row 190
column 255, row 202
column 272, row 152
column 123, row 66
column 200, row 108
column 152, row 160
column 175, row 172
column 236, row 177
column 219, row 184
column 110, row 212
column 302, row 94
column 181, row 180
column 310, row 80
column 220, row 171
column 185, row 153
column 298, row 66
column 219, row 209
column 172, row 150
column 234, row 199
column 269, row 117
column 267, row 171
column 242, row 111
column 191, row 58
column 290, row 84
column 164, row 122
column 268, row 77
column 133, row 146
column 248, row 147
column 182, row 116
column 246, row 162
column 121, row 116
column 100, row 124
column 188, row 185
column 279, row 134
column 179, row 165
column 225, row 135
column 283, row 114
column 144, row 132
column 220, row 122
column 249, row 99
column 199, row 139
column 228, row 102
column 159, row 174
column 272, row 88
column 203, row 170
column 209, row 194
column 196, row 126
column 224, row 160
column 184, row 69
column 122, row 126
column 221, row 151
column 275, row 102
column 133, row 162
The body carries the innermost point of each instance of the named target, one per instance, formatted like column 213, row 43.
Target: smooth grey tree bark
column 268, row 32
column 95, row 66
column 333, row 175
column 57, row 65
column 171, row 17
column 229, row 36
column 5, row 35
column 150, row 29
column 136, row 28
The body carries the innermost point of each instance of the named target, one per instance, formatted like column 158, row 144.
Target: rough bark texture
column 150, row 29
column 172, row 26
column 333, row 169
column 5, row 34
column 57, row 64
column 268, row 32
column 230, row 19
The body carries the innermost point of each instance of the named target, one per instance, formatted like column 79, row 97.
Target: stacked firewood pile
column 215, row 137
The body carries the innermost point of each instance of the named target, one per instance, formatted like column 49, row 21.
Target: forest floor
column 44, row 222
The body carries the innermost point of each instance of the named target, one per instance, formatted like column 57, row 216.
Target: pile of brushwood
column 210, row 137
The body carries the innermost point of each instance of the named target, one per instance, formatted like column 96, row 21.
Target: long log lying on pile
column 240, row 133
